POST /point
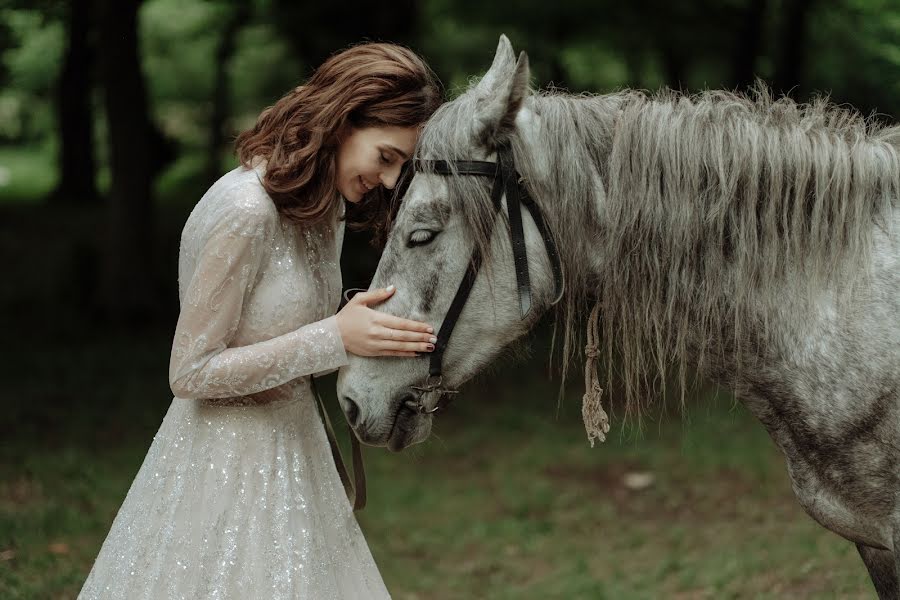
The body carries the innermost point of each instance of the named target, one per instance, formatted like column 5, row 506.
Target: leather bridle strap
column 459, row 301
column 516, row 231
column 506, row 183
column 549, row 245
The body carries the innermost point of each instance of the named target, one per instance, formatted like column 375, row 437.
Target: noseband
column 506, row 182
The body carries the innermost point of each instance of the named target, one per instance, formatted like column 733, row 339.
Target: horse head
column 450, row 214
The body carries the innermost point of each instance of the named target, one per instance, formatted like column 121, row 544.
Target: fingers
column 406, row 346
column 379, row 295
column 374, row 296
column 393, row 322
column 400, row 335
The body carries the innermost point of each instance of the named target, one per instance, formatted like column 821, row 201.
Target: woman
column 238, row 496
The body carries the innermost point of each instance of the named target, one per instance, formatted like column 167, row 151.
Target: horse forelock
column 701, row 207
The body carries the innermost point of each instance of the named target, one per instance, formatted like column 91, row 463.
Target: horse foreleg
column 883, row 570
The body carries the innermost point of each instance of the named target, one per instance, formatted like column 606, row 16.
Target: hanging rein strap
column 355, row 490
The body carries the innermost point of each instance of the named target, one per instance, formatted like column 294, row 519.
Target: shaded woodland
column 126, row 104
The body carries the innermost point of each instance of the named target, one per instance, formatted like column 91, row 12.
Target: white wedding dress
column 238, row 496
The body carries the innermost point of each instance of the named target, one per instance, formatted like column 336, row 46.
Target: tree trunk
column 790, row 66
column 674, row 66
column 360, row 20
column 75, row 117
column 128, row 292
column 221, row 101
column 749, row 44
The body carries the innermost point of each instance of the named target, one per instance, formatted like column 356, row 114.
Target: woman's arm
column 202, row 364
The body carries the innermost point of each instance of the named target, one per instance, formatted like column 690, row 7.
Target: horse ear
column 504, row 59
column 496, row 112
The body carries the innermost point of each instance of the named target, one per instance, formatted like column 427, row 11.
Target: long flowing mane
column 710, row 206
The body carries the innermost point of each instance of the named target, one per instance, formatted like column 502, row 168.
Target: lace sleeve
column 202, row 364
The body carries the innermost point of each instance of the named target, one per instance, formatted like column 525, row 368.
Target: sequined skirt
column 236, row 502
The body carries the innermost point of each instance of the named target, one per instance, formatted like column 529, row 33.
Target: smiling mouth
column 365, row 185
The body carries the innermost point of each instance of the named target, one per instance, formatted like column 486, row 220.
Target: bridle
column 507, row 182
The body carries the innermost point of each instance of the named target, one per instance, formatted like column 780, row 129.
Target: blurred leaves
column 851, row 51
column 32, row 51
column 35, row 56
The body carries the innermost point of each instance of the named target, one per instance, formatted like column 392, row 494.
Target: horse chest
column 844, row 474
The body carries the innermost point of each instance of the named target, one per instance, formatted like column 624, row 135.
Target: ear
column 496, row 112
column 504, row 59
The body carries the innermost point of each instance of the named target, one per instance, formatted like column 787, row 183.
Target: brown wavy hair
column 373, row 84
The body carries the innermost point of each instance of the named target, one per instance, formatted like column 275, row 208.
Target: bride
column 238, row 496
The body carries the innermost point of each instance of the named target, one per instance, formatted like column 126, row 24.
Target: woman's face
column 372, row 156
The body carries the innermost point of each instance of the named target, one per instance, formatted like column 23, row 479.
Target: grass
column 507, row 500
column 516, row 505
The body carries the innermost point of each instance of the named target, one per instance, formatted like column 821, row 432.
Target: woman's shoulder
column 237, row 203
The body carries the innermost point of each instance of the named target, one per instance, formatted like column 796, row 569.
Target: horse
column 737, row 238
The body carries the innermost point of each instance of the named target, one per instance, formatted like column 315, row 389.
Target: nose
column 351, row 410
column 389, row 178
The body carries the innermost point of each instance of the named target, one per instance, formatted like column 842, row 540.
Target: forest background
column 116, row 115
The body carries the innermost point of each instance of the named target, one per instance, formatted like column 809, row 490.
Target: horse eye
column 420, row 237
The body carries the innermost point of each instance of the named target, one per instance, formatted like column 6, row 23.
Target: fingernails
column 430, row 330
column 430, row 347
column 389, row 288
column 433, row 340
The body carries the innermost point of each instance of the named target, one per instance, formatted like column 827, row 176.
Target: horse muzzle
column 402, row 424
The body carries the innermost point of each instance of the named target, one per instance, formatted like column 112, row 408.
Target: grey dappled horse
column 750, row 240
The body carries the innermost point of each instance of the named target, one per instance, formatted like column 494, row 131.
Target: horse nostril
column 351, row 409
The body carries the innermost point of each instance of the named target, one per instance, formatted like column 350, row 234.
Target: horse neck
column 569, row 173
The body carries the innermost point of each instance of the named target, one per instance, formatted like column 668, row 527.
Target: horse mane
column 708, row 206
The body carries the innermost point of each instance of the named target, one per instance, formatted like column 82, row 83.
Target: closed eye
column 420, row 237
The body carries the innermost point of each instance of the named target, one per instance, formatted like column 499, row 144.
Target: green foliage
column 34, row 60
column 851, row 51
column 261, row 71
column 31, row 63
column 592, row 66
column 27, row 174
column 855, row 54
column 178, row 43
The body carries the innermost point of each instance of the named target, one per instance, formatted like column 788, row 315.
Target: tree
column 128, row 290
column 790, row 66
column 749, row 44
column 240, row 12
column 318, row 29
column 75, row 117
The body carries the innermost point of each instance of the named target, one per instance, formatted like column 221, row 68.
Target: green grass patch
column 505, row 501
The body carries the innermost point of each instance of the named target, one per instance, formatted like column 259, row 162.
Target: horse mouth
column 404, row 428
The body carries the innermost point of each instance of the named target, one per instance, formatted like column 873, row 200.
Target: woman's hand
column 368, row 332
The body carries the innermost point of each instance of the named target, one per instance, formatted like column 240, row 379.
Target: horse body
column 828, row 392
column 757, row 245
